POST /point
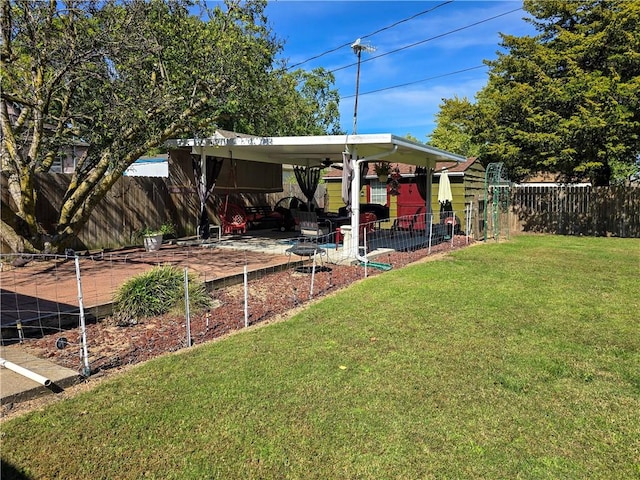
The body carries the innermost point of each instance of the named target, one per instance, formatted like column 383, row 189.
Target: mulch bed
column 270, row 297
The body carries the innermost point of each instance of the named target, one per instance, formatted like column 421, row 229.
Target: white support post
column 355, row 197
column 355, row 204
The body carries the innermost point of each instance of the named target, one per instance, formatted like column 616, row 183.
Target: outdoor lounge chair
column 234, row 219
column 367, row 222
column 412, row 223
column 311, row 227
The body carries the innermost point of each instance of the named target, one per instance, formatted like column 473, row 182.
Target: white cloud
column 455, row 17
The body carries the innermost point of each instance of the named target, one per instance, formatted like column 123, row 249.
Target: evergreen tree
column 566, row 100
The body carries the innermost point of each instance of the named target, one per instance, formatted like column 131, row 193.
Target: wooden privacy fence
column 577, row 210
column 136, row 202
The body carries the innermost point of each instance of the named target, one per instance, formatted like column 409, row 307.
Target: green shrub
column 166, row 229
column 156, row 292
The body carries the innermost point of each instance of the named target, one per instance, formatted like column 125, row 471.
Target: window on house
column 58, row 163
column 378, row 192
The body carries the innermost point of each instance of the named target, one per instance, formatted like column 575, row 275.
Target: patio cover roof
column 313, row 150
column 317, row 150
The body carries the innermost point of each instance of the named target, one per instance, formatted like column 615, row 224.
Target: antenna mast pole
column 358, row 50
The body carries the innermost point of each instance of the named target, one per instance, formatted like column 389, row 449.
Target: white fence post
column 86, row 371
column 186, row 305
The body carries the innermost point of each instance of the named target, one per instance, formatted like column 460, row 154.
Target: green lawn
column 501, row 361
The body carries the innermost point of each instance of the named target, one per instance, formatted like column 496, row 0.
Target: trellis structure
column 496, row 202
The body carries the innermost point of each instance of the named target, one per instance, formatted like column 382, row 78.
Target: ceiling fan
column 327, row 162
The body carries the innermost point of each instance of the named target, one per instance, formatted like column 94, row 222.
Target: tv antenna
column 358, row 48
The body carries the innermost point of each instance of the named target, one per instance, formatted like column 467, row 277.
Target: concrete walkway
column 15, row 387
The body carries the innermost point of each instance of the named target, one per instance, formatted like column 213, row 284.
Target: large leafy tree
column 296, row 103
column 567, row 99
column 123, row 76
column 454, row 127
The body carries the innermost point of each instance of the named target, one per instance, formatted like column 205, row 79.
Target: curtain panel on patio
column 204, row 186
column 308, row 180
column 421, row 181
column 347, row 176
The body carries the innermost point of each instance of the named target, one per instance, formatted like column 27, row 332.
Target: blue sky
column 310, row 28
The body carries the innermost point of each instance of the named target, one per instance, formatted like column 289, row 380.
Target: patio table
column 309, row 250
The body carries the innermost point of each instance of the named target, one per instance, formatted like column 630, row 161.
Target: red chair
column 416, row 222
column 419, row 223
column 234, row 219
column 367, row 222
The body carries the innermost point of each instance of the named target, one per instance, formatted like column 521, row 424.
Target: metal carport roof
column 317, row 150
column 313, row 150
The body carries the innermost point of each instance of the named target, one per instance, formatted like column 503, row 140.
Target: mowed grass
column 501, row 361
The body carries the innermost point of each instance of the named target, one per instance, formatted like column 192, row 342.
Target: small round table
column 306, row 250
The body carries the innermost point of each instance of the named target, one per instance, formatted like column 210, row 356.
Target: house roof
column 314, row 150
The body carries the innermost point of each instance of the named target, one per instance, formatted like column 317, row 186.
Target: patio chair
column 412, row 223
column 234, row 219
column 311, row 227
column 367, row 222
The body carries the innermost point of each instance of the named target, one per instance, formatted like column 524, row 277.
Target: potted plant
column 382, row 169
column 394, row 183
column 152, row 237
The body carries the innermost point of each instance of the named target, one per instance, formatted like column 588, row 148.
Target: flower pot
column 383, row 178
column 152, row 242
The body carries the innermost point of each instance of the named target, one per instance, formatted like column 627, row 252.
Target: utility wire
column 428, row 39
column 369, row 35
column 416, row 81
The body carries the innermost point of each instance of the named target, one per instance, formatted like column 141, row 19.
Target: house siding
column 467, row 184
column 473, row 182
